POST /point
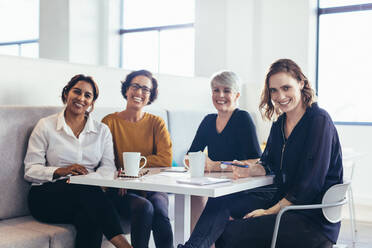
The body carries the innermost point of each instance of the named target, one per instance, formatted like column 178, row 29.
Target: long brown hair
column 288, row 66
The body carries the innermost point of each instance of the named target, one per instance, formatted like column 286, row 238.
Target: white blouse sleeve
column 36, row 170
column 107, row 164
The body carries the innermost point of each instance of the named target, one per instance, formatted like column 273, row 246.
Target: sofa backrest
column 16, row 125
column 183, row 125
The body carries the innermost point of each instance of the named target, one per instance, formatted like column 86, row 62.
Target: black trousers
column 146, row 211
column 214, row 225
column 295, row 229
column 86, row 207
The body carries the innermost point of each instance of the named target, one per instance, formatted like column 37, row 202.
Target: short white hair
column 228, row 79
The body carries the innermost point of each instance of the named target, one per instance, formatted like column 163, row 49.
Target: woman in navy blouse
column 304, row 153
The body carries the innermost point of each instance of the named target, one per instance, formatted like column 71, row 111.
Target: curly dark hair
column 126, row 83
column 267, row 107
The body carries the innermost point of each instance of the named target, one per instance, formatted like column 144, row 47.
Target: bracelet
column 280, row 205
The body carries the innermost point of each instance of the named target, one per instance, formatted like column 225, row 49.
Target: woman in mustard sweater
column 134, row 130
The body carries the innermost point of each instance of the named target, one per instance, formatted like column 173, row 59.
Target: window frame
column 19, row 43
column 124, row 31
column 334, row 10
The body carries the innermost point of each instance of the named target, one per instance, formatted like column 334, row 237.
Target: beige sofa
column 17, row 227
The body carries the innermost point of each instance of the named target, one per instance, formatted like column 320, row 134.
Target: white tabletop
column 167, row 182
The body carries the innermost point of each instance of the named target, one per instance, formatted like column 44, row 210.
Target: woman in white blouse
column 72, row 143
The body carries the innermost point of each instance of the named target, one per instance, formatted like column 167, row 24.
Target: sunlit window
column 345, row 61
column 158, row 36
column 19, row 25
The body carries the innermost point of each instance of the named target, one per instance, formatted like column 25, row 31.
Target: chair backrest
column 334, row 194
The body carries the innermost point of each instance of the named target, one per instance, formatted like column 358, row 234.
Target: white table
column 166, row 182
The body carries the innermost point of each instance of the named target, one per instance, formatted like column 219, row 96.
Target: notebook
column 203, row 180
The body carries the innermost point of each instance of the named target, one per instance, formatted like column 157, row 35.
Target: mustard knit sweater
column 149, row 136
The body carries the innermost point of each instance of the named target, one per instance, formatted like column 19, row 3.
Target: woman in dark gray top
column 230, row 134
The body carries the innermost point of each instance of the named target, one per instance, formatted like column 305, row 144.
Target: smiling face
column 224, row 98
column 285, row 92
column 138, row 93
column 79, row 98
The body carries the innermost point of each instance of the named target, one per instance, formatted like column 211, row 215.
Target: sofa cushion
column 59, row 235
column 183, row 125
column 13, row 237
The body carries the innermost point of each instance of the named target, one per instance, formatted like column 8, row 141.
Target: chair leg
column 352, row 216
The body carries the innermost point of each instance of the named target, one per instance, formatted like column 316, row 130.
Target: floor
column 363, row 235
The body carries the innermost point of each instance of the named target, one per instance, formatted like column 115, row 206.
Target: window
column 158, row 36
column 19, row 25
column 344, row 60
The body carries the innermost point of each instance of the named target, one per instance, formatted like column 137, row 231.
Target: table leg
column 182, row 218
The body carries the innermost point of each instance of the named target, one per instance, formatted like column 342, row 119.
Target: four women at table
column 72, row 143
column 303, row 152
column 134, row 130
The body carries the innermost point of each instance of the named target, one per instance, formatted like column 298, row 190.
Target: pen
column 238, row 165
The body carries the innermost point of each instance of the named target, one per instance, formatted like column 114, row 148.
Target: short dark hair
column 126, row 83
column 74, row 80
column 288, row 66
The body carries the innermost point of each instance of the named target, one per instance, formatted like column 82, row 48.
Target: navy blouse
column 306, row 164
column 238, row 140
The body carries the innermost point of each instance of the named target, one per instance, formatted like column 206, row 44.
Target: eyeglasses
column 145, row 89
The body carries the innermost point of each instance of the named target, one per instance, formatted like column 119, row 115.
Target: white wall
column 54, row 30
column 39, row 82
column 83, row 31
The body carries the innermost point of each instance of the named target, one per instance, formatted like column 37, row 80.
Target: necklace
column 77, row 130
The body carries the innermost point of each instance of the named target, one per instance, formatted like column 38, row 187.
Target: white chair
column 331, row 206
column 349, row 162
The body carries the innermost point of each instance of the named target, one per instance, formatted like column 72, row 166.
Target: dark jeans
column 86, row 207
column 214, row 225
column 146, row 211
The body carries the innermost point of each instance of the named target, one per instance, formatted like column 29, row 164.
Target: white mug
column 132, row 163
column 196, row 163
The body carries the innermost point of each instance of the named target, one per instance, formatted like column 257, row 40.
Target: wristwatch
column 223, row 166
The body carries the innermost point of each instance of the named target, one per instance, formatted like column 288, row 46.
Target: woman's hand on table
column 240, row 172
column 211, row 165
column 252, row 170
column 74, row 169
